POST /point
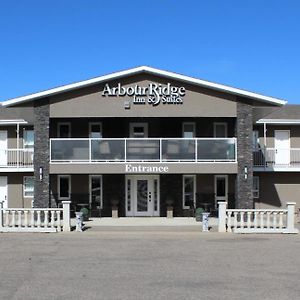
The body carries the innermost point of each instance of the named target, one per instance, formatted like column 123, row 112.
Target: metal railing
column 277, row 157
column 16, row 158
column 103, row 150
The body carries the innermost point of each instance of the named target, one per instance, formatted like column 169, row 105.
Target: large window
column 188, row 130
column 28, row 186
column 95, row 130
column 220, row 130
column 28, row 138
column 64, row 187
column 189, row 191
column 64, row 130
column 96, row 192
column 255, row 189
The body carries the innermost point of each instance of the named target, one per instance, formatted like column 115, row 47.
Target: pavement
column 178, row 262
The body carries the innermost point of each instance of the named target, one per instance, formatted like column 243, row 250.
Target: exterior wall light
column 41, row 173
column 245, row 172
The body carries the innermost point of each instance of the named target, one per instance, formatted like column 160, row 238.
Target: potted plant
column 198, row 214
column 85, row 213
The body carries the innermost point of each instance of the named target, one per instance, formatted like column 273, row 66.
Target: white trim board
column 149, row 70
column 279, row 121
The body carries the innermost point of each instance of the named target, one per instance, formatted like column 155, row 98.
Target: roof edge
column 150, row 70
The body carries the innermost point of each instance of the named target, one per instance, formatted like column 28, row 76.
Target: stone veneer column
column 41, row 153
column 244, row 129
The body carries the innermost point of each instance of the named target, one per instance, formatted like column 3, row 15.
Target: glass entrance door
column 142, row 195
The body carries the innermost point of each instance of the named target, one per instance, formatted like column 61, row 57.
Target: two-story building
column 142, row 140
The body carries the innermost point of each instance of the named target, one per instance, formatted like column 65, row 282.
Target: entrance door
column 95, row 201
column 221, row 188
column 3, row 190
column 142, row 195
column 3, row 147
column 282, row 147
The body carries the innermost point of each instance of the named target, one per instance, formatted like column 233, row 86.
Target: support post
column 222, row 217
column 66, row 216
column 291, row 218
column 1, row 214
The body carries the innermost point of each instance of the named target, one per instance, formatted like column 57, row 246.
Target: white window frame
column 255, row 191
column 183, row 192
column 58, row 187
column 138, row 124
column 24, row 190
column 62, row 124
column 218, row 124
column 255, row 141
column 90, row 189
column 189, row 123
column 95, row 123
column 24, row 133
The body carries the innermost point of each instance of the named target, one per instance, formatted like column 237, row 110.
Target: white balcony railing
column 103, row 150
column 277, row 157
column 16, row 158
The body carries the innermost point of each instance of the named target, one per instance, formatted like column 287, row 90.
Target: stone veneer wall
column 244, row 129
column 41, row 153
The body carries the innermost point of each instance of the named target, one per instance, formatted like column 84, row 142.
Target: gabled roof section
column 148, row 70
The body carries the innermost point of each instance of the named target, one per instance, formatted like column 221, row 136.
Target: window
column 95, row 130
column 64, row 187
column 138, row 130
column 64, row 130
column 28, row 186
column 255, row 189
column 255, row 140
column 28, row 138
column 188, row 130
column 189, row 191
column 220, row 130
column 96, row 192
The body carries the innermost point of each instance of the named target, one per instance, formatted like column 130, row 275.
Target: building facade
column 144, row 141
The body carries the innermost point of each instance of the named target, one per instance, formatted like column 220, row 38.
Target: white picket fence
column 257, row 220
column 35, row 219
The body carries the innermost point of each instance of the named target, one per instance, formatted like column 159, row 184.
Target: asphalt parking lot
column 149, row 263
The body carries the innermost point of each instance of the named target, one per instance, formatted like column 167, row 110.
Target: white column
column 18, row 144
column 291, row 218
column 66, row 215
column 222, row 217
column 1, row 214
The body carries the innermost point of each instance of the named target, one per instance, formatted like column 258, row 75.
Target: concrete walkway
column 145, row 222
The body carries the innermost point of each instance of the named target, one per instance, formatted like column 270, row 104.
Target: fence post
column 1, row 214
column 66, row 215
column 291, row 218
column 222, row 217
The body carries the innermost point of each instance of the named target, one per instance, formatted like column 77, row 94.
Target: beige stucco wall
column 278, row 188
column 89, row 102
column 15, row 190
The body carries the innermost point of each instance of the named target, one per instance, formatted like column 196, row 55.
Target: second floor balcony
column 16, row 159
column 276, row 158
column 104, row 150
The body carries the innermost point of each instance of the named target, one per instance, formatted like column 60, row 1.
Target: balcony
column 277, row 158
column 16, row 158
column 123, row 150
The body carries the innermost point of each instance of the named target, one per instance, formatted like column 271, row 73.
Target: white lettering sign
column 152, row 94
column 146, row 169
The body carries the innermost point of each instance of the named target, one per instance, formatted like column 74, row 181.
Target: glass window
column 220, row 130
column 189, row 192
column 188, row 130
column 95, row 130
column 28, row 186
column 28, row 138
column 255, row 187
column 138, row 130
column 96, row 192
column 64, row 130
column 255, row 140
column 64, row 187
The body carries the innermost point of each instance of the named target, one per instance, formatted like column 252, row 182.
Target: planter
column 198, row 214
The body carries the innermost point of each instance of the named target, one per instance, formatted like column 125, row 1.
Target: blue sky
column 249, row 44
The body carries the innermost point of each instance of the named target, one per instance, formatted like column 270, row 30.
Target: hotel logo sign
column 153, row 94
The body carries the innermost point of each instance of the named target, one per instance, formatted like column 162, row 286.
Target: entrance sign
column 152, row 94
column 146, row 169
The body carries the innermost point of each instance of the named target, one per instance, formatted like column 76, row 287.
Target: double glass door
column 142, row 195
